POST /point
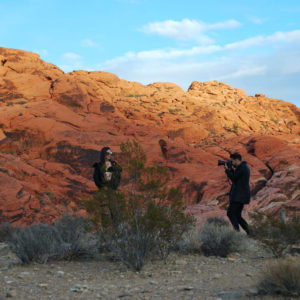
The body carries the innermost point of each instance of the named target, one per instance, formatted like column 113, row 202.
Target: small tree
column 145, row 219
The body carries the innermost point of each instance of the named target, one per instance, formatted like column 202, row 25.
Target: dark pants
column 234, row 213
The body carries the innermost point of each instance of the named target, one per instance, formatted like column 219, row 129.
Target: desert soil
column 191, row 276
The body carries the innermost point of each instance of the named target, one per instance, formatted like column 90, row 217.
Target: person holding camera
column 239, row 174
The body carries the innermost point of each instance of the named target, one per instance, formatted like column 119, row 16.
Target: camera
column 228, row 163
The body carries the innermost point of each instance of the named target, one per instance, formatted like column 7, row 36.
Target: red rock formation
column 52, row 126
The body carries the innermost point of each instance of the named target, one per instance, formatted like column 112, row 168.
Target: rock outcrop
column 53, row 124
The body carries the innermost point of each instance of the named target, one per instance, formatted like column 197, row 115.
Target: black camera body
column 228, row 163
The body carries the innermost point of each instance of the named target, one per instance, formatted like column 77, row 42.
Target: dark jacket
column 99, row 170
column 240, row 188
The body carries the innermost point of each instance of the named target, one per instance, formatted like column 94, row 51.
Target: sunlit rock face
column 53, row 124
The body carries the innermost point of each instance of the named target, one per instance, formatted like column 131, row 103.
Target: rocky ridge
column 53, row 124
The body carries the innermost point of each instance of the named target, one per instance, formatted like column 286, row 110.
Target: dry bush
column 76, row 234
column 131, row 245
column 68, row 238
column 275, row 234
column 281, row 278
column 189, row 243
column 38, row 243
column 217, row 221
column 218, row 239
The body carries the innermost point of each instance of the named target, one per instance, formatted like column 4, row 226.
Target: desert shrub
column 215, row 238
column 281, row 278
column 275, row 234
column 38, row 243
column 6, row 231
column 217, row 221
column 189, row 243
column 130, row 244
column 220, row 240
column 144, row 221
column 75, row 232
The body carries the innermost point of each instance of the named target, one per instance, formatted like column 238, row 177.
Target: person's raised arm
column 234, row 175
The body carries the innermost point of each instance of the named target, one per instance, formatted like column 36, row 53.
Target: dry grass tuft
column 281, row 278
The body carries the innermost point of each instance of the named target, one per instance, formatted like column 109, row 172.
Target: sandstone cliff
column 53, row 124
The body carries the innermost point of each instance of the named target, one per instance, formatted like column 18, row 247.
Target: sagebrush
column 76, row 232
column 219, row 239
column 190, row 242
column 68, row 238
column 38, row 243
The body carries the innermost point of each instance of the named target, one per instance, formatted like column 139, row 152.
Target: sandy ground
column 191, row 276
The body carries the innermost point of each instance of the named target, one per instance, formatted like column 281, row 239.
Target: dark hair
column 103, row 153
column 236, row 156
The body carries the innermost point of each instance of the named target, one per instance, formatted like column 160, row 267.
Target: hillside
column 53, row 124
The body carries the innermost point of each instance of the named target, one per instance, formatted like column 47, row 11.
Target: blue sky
column 253, row 45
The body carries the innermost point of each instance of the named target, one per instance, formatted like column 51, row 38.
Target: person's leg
column 232, row 215
column 240, row 219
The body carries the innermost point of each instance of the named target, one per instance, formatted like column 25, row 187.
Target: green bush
column 275, row 234
column 144, row 221
column 281, row 278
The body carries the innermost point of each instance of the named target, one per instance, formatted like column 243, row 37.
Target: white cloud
column 71, row 62
column 71, row 56
column 88, row 43
column 184, row 72
column 159, row 54
column 244, row 71
column 164, row 54
column 277, row 37
column 224, row 25
column 189, row 30
column 275, row 74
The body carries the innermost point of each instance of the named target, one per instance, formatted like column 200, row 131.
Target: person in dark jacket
column 107, row 177
column 107, row 172
column 239, row 195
